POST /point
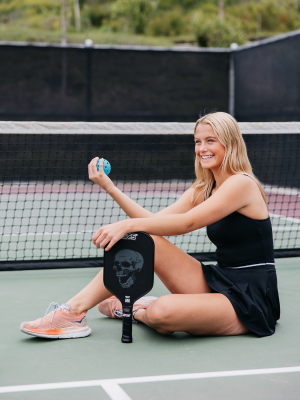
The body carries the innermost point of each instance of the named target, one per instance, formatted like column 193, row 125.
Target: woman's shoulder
column 243, row 186
column 241, row 180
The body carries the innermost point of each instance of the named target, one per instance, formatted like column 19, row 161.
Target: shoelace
column 56, row 307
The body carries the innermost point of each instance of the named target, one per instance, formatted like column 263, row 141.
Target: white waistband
column 252, row 265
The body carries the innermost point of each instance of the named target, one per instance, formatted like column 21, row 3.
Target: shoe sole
column 71, row 335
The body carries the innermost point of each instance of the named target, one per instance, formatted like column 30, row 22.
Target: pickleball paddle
column 129, row 273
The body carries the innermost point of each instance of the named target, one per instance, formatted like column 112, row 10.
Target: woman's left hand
column 110, row 234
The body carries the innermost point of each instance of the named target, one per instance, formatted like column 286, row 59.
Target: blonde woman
column 238, row 295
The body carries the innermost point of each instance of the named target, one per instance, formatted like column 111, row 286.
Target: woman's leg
column 191, row 308
column 90, row 296
column 197, row 314
column 179, row 272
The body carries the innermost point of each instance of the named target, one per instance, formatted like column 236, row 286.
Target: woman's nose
column 202, row 147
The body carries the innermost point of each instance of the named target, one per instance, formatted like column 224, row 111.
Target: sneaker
column 58, row 324
column 112, row 307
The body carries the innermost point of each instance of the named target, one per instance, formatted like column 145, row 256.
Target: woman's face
column 209, row 150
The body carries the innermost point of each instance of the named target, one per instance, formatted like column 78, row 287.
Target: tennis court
column 153, row 366
column 48, row 213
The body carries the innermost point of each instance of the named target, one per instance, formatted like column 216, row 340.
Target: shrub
column 217, row 32
column 136, row 12
column 169, row 24
column 279, row 14
column 276, row 15
column 98, row 14
column 170, row 4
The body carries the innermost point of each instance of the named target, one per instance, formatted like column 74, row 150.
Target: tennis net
column 49, row 209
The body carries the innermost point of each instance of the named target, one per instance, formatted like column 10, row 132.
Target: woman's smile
column 206, row 157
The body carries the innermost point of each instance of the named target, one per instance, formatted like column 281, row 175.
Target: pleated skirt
column 253, row 293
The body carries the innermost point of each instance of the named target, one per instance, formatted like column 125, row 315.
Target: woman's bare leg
column 179, row 272
column 197, row 314
column 190, row 308
column 90, row 296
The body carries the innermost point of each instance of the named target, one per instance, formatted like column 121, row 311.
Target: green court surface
column 153, row 366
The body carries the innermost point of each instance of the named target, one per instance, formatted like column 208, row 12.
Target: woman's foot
column 60, row 323
column 112, row 307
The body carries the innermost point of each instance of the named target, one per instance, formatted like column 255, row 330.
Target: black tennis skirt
column 252, row 292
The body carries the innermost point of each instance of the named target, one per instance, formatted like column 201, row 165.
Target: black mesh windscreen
column 158, row 85
column 267, row 81
column 50, row 83
column 42, row 83
column 72, row 84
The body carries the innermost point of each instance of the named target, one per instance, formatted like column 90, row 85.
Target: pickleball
column 106, row 166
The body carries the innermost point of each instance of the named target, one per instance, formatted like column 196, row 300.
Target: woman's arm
column 130, row 207
column 235, row 193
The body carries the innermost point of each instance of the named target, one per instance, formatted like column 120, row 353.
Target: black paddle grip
column 127, row 324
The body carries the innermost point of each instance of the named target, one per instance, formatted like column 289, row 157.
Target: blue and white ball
column 106, row 166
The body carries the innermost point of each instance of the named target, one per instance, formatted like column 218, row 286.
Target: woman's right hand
column 100, row 176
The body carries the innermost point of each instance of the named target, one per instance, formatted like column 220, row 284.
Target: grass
column 19, row 33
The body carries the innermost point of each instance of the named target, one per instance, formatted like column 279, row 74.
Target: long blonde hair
column 235, row 159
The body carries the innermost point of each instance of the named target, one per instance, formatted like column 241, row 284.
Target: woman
column 234, row 297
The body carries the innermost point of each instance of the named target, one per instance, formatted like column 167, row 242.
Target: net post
column 231, row 80
column 88, row 82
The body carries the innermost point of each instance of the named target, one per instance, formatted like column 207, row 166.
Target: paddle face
column 129, row 273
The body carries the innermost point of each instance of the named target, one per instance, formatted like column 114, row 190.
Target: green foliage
column 279, row 14
column 275, row 15
column 99, row 14
column 217, row 32
column 171, row 23
column 185, row 4
column 30, row 6
column 135, row 12
column 42, row 14
column 191, row 20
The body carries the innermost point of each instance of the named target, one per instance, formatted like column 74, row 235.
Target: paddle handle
column 127, row 324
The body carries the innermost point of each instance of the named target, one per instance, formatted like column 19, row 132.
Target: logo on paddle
column 127, row 265
column 130, row 236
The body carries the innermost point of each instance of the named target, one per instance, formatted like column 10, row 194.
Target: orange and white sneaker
column 58, row 324
column 112, row 307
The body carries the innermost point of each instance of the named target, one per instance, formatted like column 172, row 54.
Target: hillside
column 147, row 22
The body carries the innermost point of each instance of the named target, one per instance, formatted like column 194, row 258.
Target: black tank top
column 242, row 241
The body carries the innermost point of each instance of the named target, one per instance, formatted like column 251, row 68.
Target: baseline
column 115, row 392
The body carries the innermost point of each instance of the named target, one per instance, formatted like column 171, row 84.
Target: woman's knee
column 159, row 313
column 157, row 240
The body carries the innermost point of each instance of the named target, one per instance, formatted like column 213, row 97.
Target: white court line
column 297, row 220
column 274, row 228
column 286, row 228
column 64, row 233
column 115, row 391
column 46, row 233
column 112, row 388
